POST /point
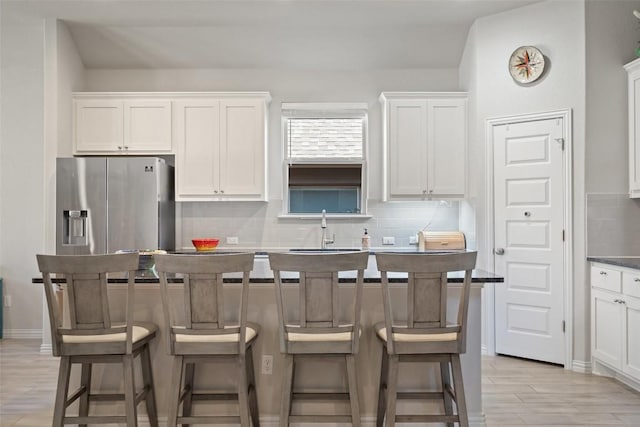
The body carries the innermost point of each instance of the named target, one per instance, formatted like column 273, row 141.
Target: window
column 325, row 146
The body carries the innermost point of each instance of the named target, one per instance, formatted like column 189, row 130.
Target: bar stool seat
column 141, row 331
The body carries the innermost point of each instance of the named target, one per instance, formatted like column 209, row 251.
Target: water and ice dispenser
column 74, row 227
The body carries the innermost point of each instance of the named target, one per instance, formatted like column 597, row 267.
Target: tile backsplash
column 257, row 225
column 613, row 225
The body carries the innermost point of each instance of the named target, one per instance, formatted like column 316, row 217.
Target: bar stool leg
column 461, row 403
column 253, row 396
column 190, row 369
column 353, row 390
column 446, row 383
column 85, row 381
column 147, row 379
column 61, row 393
column 129, row 391
column 287, row 390
column 392, row 386
column 384, row 372
column 175, row 391
column 243, row 395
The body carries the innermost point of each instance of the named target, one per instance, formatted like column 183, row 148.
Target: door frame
column 489, row 291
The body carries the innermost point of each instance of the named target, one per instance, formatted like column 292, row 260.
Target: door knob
column 498, row 251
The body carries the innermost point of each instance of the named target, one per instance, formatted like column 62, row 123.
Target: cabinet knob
column 603, row 273
column 126, row 147
column 622, row 301
column 222, row 191
column 215, row 191
column 119, row 147
column 637, row 279
column 616, row 300
column 430, row 191
column 424, row 191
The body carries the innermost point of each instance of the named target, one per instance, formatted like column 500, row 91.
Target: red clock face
column 526, row 64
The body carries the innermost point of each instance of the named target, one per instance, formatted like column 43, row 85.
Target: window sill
column 318, row 216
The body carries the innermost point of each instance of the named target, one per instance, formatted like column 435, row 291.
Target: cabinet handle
column 603, row 273
column 119, row 147
column 637, row 279
column 424, row 191
column 622, row 301
column 430, row 191
column 222, row 191
column 126, row 147
column 215, row 191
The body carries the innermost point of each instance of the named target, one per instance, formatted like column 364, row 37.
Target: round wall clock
column 526, row 64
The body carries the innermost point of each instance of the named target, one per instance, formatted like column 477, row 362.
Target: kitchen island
column 328, row 375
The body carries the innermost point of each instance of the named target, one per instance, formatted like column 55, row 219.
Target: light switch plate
column 232, row 240
column 388, row 240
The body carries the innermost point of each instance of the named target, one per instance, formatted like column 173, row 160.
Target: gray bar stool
column 206, row 336
column 319, row 332
column 425, row 335
column 94, row 338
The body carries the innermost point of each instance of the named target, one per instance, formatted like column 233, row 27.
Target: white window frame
column 329, row 110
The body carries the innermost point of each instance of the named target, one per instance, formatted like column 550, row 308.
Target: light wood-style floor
column 515, row 392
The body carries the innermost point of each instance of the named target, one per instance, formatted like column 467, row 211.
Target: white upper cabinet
column 109, row 124
column 633, row 69
column 425, row 139
column 221, row 148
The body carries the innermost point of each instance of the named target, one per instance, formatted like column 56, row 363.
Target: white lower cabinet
column 615, row 319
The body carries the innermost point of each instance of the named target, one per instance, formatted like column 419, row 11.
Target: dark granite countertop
column 629, row 262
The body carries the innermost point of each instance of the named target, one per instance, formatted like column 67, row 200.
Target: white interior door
column 529, row 239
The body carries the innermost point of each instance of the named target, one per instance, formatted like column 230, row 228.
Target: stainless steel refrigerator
column 106, row 204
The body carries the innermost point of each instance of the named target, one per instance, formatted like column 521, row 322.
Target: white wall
column 256, row 224
column 21, row 171
column 557, row 28
column 612, row 35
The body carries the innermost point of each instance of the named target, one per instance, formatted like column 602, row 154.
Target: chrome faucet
column 323, row 224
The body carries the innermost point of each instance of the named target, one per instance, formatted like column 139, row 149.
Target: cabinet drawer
column 631, row 284
column 605, row 278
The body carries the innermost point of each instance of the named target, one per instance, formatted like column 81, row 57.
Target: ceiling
column 273, row 34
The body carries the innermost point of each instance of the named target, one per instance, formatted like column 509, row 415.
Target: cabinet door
column 99, row 125
column 631, row 336
column 447, row 141
column 606, row 333
column 147, row 126
column 407, row 150
column 197, row 148
column 242, row 147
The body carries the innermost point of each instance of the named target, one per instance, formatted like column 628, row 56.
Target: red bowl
column 203, row 245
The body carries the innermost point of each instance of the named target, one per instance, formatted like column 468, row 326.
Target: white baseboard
column 581, row 366
column 22, row 334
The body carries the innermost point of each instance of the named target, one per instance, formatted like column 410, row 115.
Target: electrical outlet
column 267, row 364
column 7, row 300
column 232, row 240
column 413, row 240
column 388, row 240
